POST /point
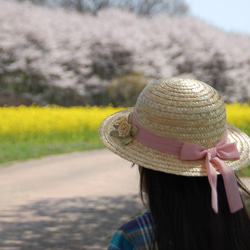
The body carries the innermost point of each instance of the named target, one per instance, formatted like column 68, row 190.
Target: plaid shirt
column 135, row 234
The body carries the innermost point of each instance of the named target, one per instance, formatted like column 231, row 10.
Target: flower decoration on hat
column 124, row 129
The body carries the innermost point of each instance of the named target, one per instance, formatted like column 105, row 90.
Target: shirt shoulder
column 135, row 234
column 120, row 242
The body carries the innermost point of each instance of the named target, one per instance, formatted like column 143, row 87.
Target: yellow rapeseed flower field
column 238, row 114
column 22, row 123
column 27, row 132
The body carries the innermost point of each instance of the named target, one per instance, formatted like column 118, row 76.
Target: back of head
column 183, row 217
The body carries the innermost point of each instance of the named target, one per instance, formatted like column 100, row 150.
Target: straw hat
column 181, row 109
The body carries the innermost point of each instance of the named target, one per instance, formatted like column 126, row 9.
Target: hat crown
column 182, row 109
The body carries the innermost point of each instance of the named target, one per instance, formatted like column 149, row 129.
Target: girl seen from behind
column 178, row 135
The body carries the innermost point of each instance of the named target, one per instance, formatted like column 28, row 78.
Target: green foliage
column 125, row 89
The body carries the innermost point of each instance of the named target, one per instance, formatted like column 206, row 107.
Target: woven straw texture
column 182, row 109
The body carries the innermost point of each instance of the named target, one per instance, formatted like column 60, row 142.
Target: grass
column 29, row 149
column 244, row 172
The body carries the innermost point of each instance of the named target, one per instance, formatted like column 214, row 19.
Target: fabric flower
column 124, row 129
column 119, row 121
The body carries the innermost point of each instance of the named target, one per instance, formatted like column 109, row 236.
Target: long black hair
column 183, row 217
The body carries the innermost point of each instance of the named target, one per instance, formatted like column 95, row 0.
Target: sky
column 228, row 15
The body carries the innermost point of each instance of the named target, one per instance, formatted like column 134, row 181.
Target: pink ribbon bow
column 214, row 155
column 191, row 152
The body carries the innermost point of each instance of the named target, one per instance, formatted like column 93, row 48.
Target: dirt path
column 69, row 201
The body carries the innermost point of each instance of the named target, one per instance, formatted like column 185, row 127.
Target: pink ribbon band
column 191, row 152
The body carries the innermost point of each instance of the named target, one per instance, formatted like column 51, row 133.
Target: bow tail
column 212, row 178
column 231, row 187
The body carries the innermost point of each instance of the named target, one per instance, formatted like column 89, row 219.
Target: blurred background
column 79, row 52
column 67, row 64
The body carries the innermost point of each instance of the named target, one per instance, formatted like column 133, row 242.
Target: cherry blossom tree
column 51, row 55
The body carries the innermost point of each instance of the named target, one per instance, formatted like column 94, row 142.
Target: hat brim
column 142, row 155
